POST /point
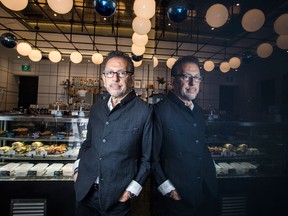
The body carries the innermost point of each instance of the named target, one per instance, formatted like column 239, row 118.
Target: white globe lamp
column 141, row 26
column 97, row 58
column 234, row 62
column 60, row 6
column 76, row 57
column 144, row 8
column 217, row 15
column 55, row 56
column 209, row 66
column 35, row 55
column 264, row 50
column 23, row 48
column 15, row 5
column 253, row 20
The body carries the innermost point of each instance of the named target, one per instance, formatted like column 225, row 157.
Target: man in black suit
column 114, row 160
column 183, row 168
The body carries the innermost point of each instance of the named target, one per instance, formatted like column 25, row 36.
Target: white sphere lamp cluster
column 141, row 25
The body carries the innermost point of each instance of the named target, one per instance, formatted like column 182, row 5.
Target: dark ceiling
column 84, row 30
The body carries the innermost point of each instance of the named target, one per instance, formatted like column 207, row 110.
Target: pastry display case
column 39, row 146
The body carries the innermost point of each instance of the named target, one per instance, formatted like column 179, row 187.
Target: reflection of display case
column 40, row 139
column 252, row 148
column 260, row 186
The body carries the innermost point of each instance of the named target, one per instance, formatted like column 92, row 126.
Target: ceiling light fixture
column 144, row 8
column 35, row 55
column 15, row 5
column 97, row 58
column 61, row 6
column 170, row 62
column 139, row 40
column 141, row 26
column 76, row 57
column 138, row 50
column 55, row 56
column 23, row 48
column 155, row 61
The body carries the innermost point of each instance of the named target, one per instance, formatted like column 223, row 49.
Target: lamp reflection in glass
column 209, row 66
column 217, row 15
column 281, row 24
column 234, row 62
column 35, row 55
column 144, row 8
column 105, row 8
column 15, row 5
column 224, row 67
column 76, row 57
column 23, row 48
column 55, row 56
column 253, row 20
column 264, row 50
column 282, row 42
column 97, row 58
column 177, row 12
column 60, row 6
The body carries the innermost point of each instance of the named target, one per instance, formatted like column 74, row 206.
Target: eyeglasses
column 121, row 74
column 188, row 78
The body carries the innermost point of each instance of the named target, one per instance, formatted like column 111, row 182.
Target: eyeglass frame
column 118, row 73
column 188, row 78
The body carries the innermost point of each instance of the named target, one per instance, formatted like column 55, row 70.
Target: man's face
column 117, row 86
column 185, row 86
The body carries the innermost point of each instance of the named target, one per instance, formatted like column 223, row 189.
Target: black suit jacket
column 117, row 148
column 179, row 150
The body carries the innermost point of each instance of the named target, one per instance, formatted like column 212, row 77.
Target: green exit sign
column 25, row 67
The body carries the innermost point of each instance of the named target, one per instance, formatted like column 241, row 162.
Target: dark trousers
column 166, row 206
column 90, row 206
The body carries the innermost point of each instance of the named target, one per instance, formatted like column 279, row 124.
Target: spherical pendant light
column 217, row 15
column 253, row 20
column 60, row 6
column 264, row 50
column 76, row 57
column 140, row 40
column 170, row 62
column 15, row 5
column 282, row 42
column 97, row 58
column 281, row 25
column 23, row 48
column 138, row 50
column 177, row 11
column 234, row 62
column 141, row 26
column 155, row 61
column 137, row 63
column 35, row 55
column 55, row 56
column 209, row 65
column 224, row 67
column 9, row 40
column 105, row 8
column 144, row 8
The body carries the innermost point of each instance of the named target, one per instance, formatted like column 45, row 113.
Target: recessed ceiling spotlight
column 55, row 14
column 169, row 24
